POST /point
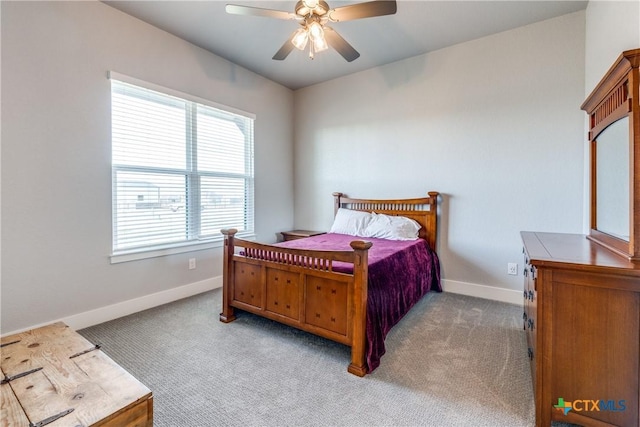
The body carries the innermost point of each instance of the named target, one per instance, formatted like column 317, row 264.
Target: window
column 182, row 168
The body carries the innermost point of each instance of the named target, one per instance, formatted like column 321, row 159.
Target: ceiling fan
column 313, row 16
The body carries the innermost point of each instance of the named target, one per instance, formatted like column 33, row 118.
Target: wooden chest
column 52, row 376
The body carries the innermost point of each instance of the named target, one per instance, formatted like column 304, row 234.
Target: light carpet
column 453, row 360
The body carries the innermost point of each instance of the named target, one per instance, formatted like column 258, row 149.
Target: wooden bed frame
column 299, row 287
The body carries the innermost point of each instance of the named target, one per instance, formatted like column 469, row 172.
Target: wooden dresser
column 582, row 317
column 54, row 377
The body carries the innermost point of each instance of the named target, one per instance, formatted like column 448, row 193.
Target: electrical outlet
column 192, row 263
column 512, row 268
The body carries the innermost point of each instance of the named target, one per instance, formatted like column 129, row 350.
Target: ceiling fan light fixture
column 300, row 38
column 313, row 15
column 311, row 7
column 320, row 44
column 315, row 30
column 311, row 4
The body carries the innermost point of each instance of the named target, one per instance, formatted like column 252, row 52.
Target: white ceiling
column 418, row 27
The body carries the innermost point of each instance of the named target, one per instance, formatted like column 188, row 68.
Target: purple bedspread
column 400, row 273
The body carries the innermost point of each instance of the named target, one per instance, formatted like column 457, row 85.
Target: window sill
column 126, row 256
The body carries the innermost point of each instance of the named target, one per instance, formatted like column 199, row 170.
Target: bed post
column 227, row 276
column 336, row 202
column 358, row 364
column 433, row 219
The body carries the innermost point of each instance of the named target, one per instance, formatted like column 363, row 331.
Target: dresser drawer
column 529, row 316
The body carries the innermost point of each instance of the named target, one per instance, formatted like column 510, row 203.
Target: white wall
column 611, row 28
column 494, row 124
column 56, row 176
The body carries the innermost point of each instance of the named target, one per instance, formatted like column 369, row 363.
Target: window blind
column 182, row 170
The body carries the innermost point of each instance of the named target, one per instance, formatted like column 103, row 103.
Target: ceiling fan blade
column 285, row 50
column 235, row 9
column 336, row 41
column 362, row 10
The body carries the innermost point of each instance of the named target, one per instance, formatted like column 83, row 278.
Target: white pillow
column 392, row 227
column 351, row 222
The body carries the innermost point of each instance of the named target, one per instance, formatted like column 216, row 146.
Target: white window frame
column 193, row 243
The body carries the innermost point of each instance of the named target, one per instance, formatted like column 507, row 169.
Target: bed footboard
column 300, row 288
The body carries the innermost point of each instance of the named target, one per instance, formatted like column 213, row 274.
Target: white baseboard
column 124, row 308
column 482, row 291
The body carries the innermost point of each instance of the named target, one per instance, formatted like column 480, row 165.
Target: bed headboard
column 424, row 210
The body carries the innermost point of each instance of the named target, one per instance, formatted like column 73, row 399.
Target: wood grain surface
column 75, row 377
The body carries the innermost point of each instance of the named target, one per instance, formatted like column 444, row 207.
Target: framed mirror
column 614, row 134
column 612, row 180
